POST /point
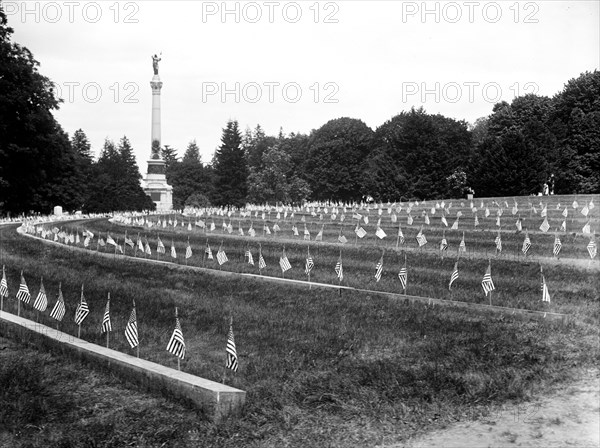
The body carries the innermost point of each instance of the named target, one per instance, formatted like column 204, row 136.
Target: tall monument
column 155, row 182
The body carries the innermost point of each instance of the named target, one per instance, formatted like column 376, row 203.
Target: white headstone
column 58, row 210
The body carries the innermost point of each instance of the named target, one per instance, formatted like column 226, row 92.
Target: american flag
column 232, row 358
column 339, row 269
column 586, row 228
column 342, row 239
column 454, row 275
column 380, row 233
column 131, row 329
column 101, row 242
column 139, row 243
column 109, row 240
column 208, row 252
column 3, row 285
column 462, row 247
column 476, row 220
column 557, row 245
column 129, row 241
column 403, row 275
column 23, row 292
column 455, row 225
column 487, row 283
column 82, row 309
column 563, row 226
column 400, row 235
column 160, row 247
column 41, row 301
column 526, row 243
column 518, row 224
column 173, row 252
column 309, row 262
column 248, row 256
column 306, row 233
column 261, row 260
column 585, row 210
column 147, row 248
column 360, row 232
column 176, row 345
column 427, row 217
column 379, row 269
column 106, row 326
column 443, row 244
column 319, row 236
column 444, row 221
column 421, row 238
column 498, row 242
column 188, row 251
column 565, row 212
column 409, row 220
column 58, row 312
column 545, row 293
column 284, row 263
column 545, row 226
column 592, row 248
column 221, row 256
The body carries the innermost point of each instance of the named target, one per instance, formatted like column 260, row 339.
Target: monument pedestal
column 155, row 186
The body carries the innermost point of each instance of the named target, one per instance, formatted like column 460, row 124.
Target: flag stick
column 107, row 333
column 138, row 350
column 178, row 363
column 79, row 331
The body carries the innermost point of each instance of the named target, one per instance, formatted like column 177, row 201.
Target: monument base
column 155, row 186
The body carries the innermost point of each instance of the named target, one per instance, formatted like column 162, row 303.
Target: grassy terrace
column 320, row 369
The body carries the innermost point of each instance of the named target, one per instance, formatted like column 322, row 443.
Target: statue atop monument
column 155, row 61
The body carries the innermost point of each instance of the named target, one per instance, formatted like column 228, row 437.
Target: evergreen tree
column 169, row 155
column 191, row 181
column 230, row 168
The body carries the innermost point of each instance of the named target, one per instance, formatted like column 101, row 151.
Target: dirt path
column 567, row 417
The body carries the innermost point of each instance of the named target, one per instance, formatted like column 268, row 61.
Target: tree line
column 414, row 155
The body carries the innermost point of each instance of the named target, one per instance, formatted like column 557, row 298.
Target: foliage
column 189, row 177
column 230, row 169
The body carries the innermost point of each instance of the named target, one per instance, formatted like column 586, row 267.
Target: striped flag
column 443, row 244
column 306, row 232
column 251, row 231
column 476, row 221
column 592, row 248
column 379, row 269
column 59, row 310
column 319, row 236
column 147, row 248
column 498, row 242
column 284, row 263
column 545, row 226
column 409, row 219
column 360, row 232
column 248, row 256
column 563, row 226
column 221, row 256
column 565, row 212
column 455, row 225
column 545, row 293
column 232, row 358
column 109, row 240
column 454, row 276
column 188, row 251
column 462, row 247
column 261, row 260
column 403, row 275
column 101, row 242
column 427, row 217
column 208, row 252
column 173, row 252
column 86, row 241
column 176, row 345
column 400, row 235
column 421, row 238
column 339, row 269
column 380, row 233
column 129, row 241
column 106, row 326
column 444, row 221
column 23, row 292
column 585, row 210
column 309, row 262
column 139, row 244
column 82, row 309
column 3, row 284
column 160, row 247
column 487, row 283
column 342, row 239
column 557, row 245
column 131, row 329
column 526, row 243
column 586, row 228
column 41, row 301
column 515, row 209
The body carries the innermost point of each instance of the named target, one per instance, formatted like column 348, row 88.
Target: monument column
column 155, row 183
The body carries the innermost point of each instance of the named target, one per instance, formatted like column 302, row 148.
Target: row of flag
column 176, row 345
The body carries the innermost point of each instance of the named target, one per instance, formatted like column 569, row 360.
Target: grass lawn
column 320, row 369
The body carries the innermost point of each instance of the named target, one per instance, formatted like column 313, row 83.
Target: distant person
column 545, row 189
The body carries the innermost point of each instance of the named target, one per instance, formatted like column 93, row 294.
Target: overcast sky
column 295, row 65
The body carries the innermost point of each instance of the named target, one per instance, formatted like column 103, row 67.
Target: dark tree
column 230, row 169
